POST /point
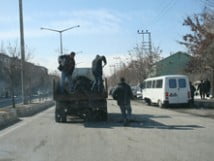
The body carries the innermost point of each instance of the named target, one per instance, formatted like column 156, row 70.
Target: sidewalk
column 202, row 108
column 9, row 115
column 205, row 103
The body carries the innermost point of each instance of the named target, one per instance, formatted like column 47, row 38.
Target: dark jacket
column 201, row 87
column 66, row 64
column 207, row 86
column 122, row 94
column 97, row 68
column 192, row 90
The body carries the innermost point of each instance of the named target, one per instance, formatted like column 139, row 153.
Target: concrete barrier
column 204, row 104
column 31, row 109
column 10, row 115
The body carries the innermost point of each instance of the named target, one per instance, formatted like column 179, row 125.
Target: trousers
column 126, row 111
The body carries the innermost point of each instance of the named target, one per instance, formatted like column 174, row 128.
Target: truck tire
column 90, row 115
column 57, row 116
column 60, row 115
column 104, row 115
column 63, row 118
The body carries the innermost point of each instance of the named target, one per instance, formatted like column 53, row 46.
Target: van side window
column 149, row 84
column 153, row 84
column 182, row 83
column 159, row 83
column 172, row 83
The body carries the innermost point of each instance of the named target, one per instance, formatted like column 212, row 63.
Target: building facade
column 174, row 64
column 36, row 77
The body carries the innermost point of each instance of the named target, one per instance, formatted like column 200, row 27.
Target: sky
column 107, row 27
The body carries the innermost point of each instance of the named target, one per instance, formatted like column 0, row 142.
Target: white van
column 166, row 90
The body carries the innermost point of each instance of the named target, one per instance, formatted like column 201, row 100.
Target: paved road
column 154, row 134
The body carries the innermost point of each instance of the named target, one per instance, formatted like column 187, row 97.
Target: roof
column 163, row 76
column 173, row 55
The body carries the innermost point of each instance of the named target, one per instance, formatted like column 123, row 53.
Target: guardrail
column 4, row 102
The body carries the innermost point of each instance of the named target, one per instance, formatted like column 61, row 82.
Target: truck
column 80, row 101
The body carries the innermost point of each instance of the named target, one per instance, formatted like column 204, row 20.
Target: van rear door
column 183, row 90
column 172, row 90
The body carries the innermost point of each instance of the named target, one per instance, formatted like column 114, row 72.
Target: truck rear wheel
column 57, row 116
column 104, row 115
column 60, row 115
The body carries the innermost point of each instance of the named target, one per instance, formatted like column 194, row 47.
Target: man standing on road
column 97, row 69
column 123, row 95
column 192, row 91
column 207, row 87
column 201, row 89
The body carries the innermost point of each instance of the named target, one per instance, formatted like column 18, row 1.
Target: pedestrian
column 66, row 66
column 201, row 89
column 192, row 91
column 97, row 70
column 207, row 87
column 123, row 95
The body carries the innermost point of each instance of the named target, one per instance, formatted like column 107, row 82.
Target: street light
column 60, row 34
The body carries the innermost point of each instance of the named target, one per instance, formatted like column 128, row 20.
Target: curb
column 202, row 104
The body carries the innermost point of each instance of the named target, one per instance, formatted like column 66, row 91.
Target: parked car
column 136, row 91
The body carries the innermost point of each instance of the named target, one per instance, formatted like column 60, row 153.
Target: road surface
column 154, row 134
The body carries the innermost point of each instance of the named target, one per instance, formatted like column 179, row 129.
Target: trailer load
column 78, row 99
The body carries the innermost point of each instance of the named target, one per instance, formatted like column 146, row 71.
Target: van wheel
column 160, row 104
column 148, row 101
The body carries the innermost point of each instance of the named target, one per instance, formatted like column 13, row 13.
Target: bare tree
column 13, row 70
column 138, row 67
column 143, row 61
column 200, row 42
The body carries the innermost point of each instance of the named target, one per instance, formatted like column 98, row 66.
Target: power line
column 208, row 3
column 163, row 11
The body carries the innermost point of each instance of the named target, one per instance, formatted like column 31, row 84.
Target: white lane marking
column 22, row 123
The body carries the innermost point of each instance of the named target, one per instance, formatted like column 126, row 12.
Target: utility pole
column 147, row 41
column 22, row 46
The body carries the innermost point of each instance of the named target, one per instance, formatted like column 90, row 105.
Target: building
column 177, row 64
column 36, row 77
column 174, row 64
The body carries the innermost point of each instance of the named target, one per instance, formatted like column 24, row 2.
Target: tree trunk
column 212, row 83
column 13, row 99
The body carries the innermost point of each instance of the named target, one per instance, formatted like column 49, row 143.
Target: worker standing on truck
column 66, row 66
column 97, row 70
column 123, row 95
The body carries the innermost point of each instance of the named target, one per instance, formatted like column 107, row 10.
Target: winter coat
column 66, row 64
column 123, row 94
column 97, row 68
